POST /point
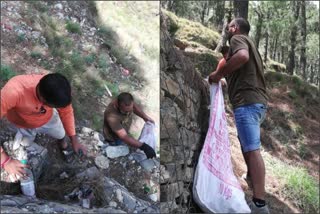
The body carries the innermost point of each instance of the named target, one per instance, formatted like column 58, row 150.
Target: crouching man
column 117, row 117
column 34, row 104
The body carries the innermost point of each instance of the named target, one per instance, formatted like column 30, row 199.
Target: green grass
column 6, row 73
column 73, row 27
column 297, row 184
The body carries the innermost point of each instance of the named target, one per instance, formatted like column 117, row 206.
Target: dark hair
column 55, row 89
column 224, row 50
column 243, row 24
column 125, row 98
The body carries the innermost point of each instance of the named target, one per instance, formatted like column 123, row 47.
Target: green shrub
column 65, row 68
column 36, row 55
column 91, row 58
column 68, row 44
column 73, row 27
column 293, row 94
column 21, row 37
column 297, row 81
column 113, row 87
column 102, row 62
column 77, row 62
column 6, row 73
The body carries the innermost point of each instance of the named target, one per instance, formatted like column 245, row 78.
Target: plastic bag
column 215, row 187
column 148, row 135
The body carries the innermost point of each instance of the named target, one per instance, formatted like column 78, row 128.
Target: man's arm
column 67, row 118
column 237, row 60
column 123, row 135
column 137, row 110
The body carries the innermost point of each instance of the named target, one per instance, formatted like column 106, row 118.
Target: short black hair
column 55, row 89
column 125, row 98
column 243, row 24
column 224, row 50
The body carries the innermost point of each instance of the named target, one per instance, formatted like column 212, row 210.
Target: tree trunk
column 293, row 35
column 224, row 34
column 303, row 59
column 259, row 27
column 219, row 15
column 282, row 54
column 266, row 46
column 275, row 48
column 241, row 8
column 204, row 6
column 311, row 74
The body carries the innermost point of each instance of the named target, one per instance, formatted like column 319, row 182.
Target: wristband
column 5, row 162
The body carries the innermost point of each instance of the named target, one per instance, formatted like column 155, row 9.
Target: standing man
column 38, row 104
column 117, row 117
column 248, row 96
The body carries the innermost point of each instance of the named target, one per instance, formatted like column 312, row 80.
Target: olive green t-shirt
column 247, row 84
column 114, row 121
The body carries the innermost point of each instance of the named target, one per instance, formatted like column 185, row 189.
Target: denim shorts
column 248, row 120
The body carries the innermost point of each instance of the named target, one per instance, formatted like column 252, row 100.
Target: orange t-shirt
column 19, row 103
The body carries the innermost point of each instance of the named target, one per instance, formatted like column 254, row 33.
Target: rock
column 102, row 162
column 119, row 195
column 164, row 175
column 64, row 175
column 111, row 210
column 60, row 15
column 90, row 174
column 168, row 206
column 148, row 164
column 117, row 151
column 153, row 197
column 58, row 6
column 171, row 191
column 86, row 203
column 23, row 204
column 113, row 204
column 98, row 137
column 138, row 156
column 35, row 34
column 129, row 201
column 86, row 131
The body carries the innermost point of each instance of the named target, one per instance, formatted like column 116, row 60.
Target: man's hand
column 214, row 77
column 77, row 146
column 148, row 150
column 15, row 167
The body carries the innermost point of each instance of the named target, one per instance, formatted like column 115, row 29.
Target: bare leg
column 257, row 173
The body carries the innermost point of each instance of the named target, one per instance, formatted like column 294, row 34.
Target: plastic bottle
column 27, row 182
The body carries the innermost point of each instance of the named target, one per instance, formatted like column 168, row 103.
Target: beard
column 229, row 35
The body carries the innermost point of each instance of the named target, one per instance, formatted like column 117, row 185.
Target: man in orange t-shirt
column 224, row 51
column 38, row 104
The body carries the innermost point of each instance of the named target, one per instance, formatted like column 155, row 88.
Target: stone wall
column 184, row 122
